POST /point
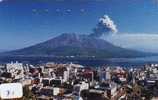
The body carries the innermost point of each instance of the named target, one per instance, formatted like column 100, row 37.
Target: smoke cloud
column 105, row 26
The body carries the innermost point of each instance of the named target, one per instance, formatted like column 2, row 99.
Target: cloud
column 138, row 41
column 104, row 26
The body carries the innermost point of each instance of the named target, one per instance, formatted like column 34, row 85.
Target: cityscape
column 52, row 81
column 78, row 50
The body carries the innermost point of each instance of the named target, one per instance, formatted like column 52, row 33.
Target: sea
column 123, row 62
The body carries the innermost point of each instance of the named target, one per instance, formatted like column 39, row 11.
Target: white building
column 16, row 69
column 108, row 73
column 79, row 87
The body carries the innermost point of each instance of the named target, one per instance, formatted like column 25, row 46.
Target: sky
column 27, row 22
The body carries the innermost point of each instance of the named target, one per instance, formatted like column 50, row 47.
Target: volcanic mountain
column 71, row 44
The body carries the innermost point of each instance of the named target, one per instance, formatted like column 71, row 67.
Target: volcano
column 71, row 44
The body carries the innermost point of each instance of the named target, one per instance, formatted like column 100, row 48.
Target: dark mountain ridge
column 71, row 44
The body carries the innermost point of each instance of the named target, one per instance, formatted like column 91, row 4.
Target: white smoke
column 104, row 26
column 108, row 23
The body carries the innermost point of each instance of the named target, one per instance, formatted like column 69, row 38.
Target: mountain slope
column 76, row 45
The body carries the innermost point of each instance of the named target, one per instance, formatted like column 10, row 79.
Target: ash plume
column 105, row 26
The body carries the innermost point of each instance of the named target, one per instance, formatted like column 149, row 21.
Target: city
column 51, row 81
column 78, row 50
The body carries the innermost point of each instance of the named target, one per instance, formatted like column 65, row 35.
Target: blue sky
column 27, row 22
